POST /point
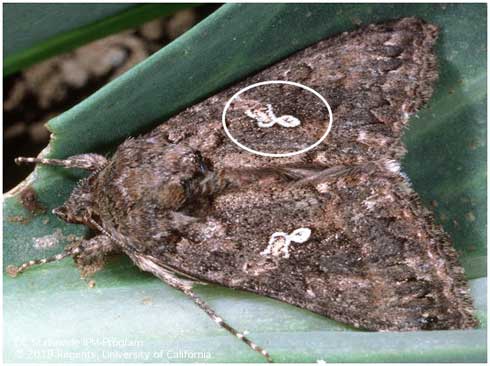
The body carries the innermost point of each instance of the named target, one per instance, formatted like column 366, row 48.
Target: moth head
column 79, row 208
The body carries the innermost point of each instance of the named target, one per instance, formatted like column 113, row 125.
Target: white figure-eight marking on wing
column 279, row 242
column 267, row 119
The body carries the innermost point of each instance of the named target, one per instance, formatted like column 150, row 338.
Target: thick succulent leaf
column 446, row 162
column 33, row 32
column 128, row 306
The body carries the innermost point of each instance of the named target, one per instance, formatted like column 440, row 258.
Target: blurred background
column 35, row 95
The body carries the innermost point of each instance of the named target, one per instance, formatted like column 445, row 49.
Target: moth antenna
column 218, row 320
column 91, row 162
column 13, row 270
column 150, row 264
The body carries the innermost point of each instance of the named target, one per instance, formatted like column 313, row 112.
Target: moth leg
column 83, row 161
column 97, row 243
column 92, row 256
column 150, row 264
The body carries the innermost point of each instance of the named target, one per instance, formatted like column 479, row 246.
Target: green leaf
column 34, row 32
column 446, row 163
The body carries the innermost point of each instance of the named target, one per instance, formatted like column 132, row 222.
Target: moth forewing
column 337, row 230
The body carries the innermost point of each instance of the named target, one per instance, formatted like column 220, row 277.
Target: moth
column 337, row 230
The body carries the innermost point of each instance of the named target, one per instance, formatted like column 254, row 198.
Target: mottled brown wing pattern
column 337, row 230
column 375, row 258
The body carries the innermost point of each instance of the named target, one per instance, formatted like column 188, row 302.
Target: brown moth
column 337, row 230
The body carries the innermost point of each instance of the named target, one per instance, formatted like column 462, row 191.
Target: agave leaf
column 34, row 32
column 446, row 162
